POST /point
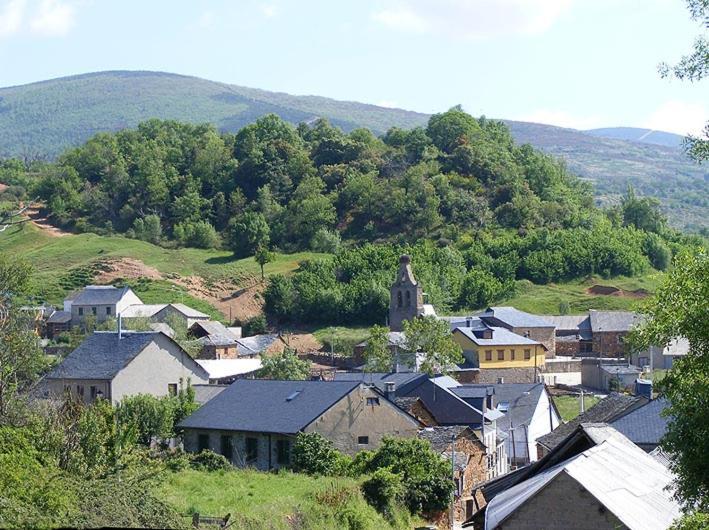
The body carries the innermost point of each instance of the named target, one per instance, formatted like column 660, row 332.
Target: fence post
column 195, row 520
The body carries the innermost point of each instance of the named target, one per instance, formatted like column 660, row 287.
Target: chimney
column 389, row 390
column 119, row 327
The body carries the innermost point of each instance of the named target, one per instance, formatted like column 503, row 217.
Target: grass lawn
column 545, row 299
column 341, row 339
column 274, row 500
column 54, row 257
column 569, row 406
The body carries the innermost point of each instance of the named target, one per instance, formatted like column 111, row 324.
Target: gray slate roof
column 613, row 320
column 204, row 393
column 522, row 398
column 255, row 343
column 440, row 437
column 102, row 355
column 379, row 379
column 216, row 333
column 605, row 411
column 515, row 318
column 500, row 337
column 59, row 317
column 644, row 425
column 568, row 322
column 257, row 405
column 100, row 295
column 188, row 311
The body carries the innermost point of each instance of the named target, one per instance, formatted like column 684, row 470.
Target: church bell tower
column 406, row 300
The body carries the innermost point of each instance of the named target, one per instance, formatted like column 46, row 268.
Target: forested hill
column 42, row 119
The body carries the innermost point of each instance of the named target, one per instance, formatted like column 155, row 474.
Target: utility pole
column 452, row 513
column 582, row 404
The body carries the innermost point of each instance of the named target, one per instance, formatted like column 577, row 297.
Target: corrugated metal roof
column 621, row 476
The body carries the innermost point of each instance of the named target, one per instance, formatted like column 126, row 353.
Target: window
column 94, row 391
column 363, row 440
column 488, row 355
column 512, row 352
column 500, row 355
column 225, row 446
column 93, row 310
column 251, row 450
column 172, row 389
column 81, row 311
column 527, row 355
column 202, row 442
column 283, row 452
column 80, row 390
column 108, row 310
column 372, row 401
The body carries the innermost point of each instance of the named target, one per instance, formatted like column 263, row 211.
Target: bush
column 209, row 461
column 199, row 234
column 255, row 326
column 383, row 490
column 315, row 455
column 326, row 241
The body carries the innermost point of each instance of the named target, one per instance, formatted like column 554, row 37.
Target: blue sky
column 576, row 63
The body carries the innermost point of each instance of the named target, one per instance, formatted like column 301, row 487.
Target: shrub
column 383, row 490
column 208, row 460
column 254, row 326
column 314, row 454
column 198, row 234
column 325, row 241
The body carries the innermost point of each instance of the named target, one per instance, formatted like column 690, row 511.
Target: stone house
column 609, row 329
column 468, row 456
column 527, row 325
column 115, row 365
column 216, row 340
column 165, row 313
column 612, row 484
column 100, row 302
column 254, row 423
column 573, row 335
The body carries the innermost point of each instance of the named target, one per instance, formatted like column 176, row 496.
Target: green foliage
column 432, row 337
column 255, row 326
column 383, row 490
column 198, row 234
column 153, row 417
column 679, row 309
column 692, row 521
column 377, row 355
column 643, row 213
column 148, row 229
column 425, row 476
column 207, row 460
column 326, row 241
column 315, row 455
column 263, row 256
column 284, row 366
column 247, row 233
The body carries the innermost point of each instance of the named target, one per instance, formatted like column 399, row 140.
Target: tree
column 680, row 308
column 314, row 454
column 432, row 337
column 694, row 67
column 642, row 212
column 152, row 416
column 285, row 366
column 263, row 256
column 377, row 355
column 248, row 232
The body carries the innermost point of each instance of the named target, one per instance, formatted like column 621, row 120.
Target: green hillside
column 42, row 119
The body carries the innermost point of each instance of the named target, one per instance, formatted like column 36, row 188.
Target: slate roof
column 256, row 344
column 59, row 317
column 188, row 311
column 515, row 318
column 163, row 328
column 466, row 391
column 204, row 393
column 141, row 310
column 255, row 405
column 605, row 411
column 522, row 399
column 613, row 320
column 100, row 295
column 624, row 479
column 101, row 355
column 500, row 337
column 644, row 425
column 216, row 333
column 463, row 321
column 621, row 370
column 568, row 322
column 402, row 380
column 440, row 436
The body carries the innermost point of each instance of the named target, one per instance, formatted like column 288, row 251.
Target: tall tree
column 285, row 366
column 377, row 355
column 432, row 337
column 680, row 308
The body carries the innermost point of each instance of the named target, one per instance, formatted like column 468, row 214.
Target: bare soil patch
column 121, row 268
column 41, row 222
column 609, row 290
column 236, row 303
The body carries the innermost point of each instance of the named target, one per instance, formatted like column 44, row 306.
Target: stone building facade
column 406, row 296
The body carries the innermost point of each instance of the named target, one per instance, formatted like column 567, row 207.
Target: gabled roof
column 521, row 399
column 500, row 337
column 215, row 332
column 255, row 344
column 100, row 295
column 188, row 311
column 102, row 355
column 223, row 368
column 254, row 405
column 403, row 381
column 569, row 322
column 623, row 478
column 463, row 321
column 141, row 310
column 204, row 393
column 613, row 320
column 645, row 425
column 515, row 318
column 59, row 317
column 441, row 437
column 606, row 410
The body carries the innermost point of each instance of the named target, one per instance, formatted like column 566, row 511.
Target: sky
column 574, row 63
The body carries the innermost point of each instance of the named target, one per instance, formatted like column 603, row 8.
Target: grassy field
column 341, row 339
column 284, row 500
column 569, row 406
column 546, row 299
column 56, row 258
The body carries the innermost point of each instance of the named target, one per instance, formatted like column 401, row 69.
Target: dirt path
column 43, row 223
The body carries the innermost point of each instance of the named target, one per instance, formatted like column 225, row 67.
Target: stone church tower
column 406, row 300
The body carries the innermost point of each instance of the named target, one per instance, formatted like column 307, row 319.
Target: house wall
column 560, row 371
column 508, row 375
column 210, row 351
column 513, row 354
column 546, row 336
column 57, row 387
column 473, row 475
column 521, row 443
column 563, row 504
column 351, row 418
column 87, row 310
column 161, row 363
column 609, row 343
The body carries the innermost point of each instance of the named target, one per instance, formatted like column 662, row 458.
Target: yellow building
column 493, row 347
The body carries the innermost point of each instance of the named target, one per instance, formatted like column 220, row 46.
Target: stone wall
column 563, row 504
column 567, row 347
column 266, row 444
column 610, row 343
column 508, row 375
column 544, row 335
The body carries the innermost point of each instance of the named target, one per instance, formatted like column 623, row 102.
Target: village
column 493, row 417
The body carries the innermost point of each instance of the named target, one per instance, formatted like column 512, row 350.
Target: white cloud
column 53, row 17
column 471, row 19
column 678, row 117
column 561, row 118
column 11, row 15
column 269, row 10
